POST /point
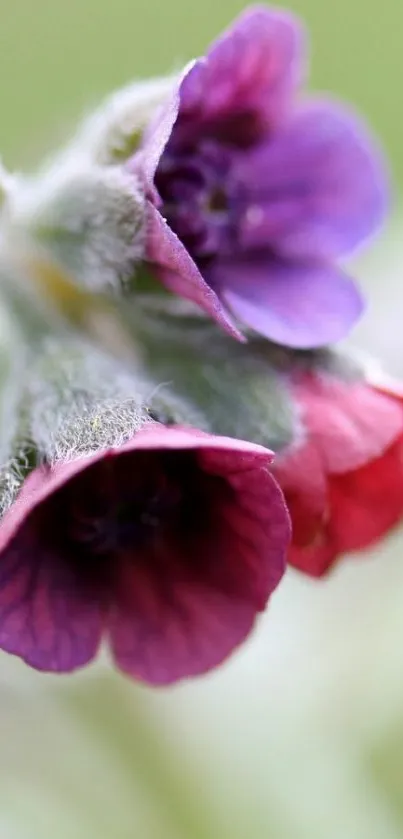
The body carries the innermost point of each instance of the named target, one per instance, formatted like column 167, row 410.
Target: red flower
column 343, row 481
column 169, row 546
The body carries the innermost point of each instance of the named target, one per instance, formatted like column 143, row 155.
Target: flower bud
column 89, row 219
column 113, row 132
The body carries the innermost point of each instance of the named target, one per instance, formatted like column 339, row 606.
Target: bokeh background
column 300, row 735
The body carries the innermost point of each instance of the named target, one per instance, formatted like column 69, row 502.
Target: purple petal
column 177, row 271
column 296, row 305
column 185, row 604
column 156, row 136
column 254, row 66
column 317, row 186
column 44, row 617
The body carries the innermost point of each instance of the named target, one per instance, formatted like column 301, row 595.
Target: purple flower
column 168, row 546
column 253, row 194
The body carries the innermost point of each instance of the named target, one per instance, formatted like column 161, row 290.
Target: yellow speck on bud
column 92, row 314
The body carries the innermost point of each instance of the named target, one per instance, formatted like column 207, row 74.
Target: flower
column 168, row 545
column 343, row 482
column 253, row 194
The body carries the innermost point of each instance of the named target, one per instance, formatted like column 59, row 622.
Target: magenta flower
column 169, row 546
column 253, row 194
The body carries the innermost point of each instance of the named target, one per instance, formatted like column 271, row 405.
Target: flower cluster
column 170, row 453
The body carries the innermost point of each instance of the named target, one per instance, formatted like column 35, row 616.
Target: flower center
column 147, row 509
column 131, row 522
column 125, row 509
column 197, row 197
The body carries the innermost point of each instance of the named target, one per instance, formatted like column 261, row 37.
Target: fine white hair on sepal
column 81, row 401
column 239, row 389
column 113, row 132
column 168, row 408
column 12, row 474
column 106, row 138
column 91, row 218
column 13, row 431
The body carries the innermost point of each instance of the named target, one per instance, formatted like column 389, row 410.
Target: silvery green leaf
column 82, row 400
column 235, row 386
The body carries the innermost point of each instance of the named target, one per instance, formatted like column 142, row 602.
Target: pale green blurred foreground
column 300, row 735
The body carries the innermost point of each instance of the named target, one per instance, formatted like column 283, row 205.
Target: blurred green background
column 300, row 735
column 57, row 58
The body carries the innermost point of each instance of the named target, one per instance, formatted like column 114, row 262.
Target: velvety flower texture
column 253, row 194
column 344, row 482
column 169, row 546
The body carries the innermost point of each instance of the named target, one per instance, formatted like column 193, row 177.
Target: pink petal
column 300, row 471
column 348, row 423
column 156, row 136
column 363, row 506
column 315, row 559
column 177, row 271
column 368, row 502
